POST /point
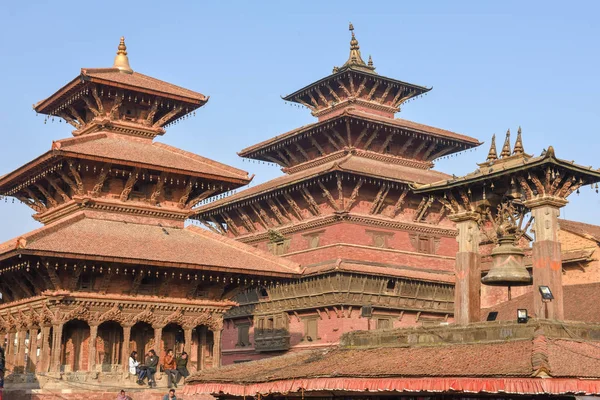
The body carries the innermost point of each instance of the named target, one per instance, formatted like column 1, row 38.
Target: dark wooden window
column 424, row 245
column 384, row 323
column 311, row 333
column 243, row 331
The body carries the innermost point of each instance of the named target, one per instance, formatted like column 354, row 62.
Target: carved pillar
column 158, row 345
column 202, row 344
column 216, row 348
column 125, row 348
column 20, row 360
column 467, row 290
column 56, row 347
column 546, row 256
column 92, row 347
column 10, row 351
column 32, row 353
column 187, row 337
column 44, row 361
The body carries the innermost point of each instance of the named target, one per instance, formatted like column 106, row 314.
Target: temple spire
column 519, row 144
column 493, row 154
column 121, row 60
column 506, row 148
column 355, row 59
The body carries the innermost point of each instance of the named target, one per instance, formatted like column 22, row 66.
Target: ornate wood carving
column 328, row 196
column 317, row 146
column 313, row 101
column 135, row 285
column 54, row 279
column 360, row 137
column 399, row 204
column 291, row 155
column 69, row 182
column 354, row 195
column 339, row 136
column 91, row 106
column 259, row 216
column 453, row 201
column 69, row 120
column 465, row 199
column 295, row 208
column 193, row 288
column 49, row 198
column 131, row 180
column 168, row 116
column 74, row 278
column 230, row 224
column 99, row 104
column 20, row 284
column 41, row 206
column 276, row 211
column 152, row 113
column 209, row 226
column 77, row 177
column 352, row 89
column 397, row 103
column 100, row 181
column 443, row 151
column 246, row 221
column 323, row 99
column 29, row 203
column 526, row 187
column 284, row 159
column 371, row 138
column 158, row 188
column 429, row 150
column 286, row 213
column 58, row 189
column 114, row 110
column 305, row 104
column 76, row 115
column 538, row 184
column 301, row 150
column 186, row 194
column 220, row 227
column 340, row 188
column 330, row 140
column 387, row 141
column 556, row 183
column 379, row 198
column 419, row 148
column 361, row 87
column 105, row 283
column 372, row 92
column 312, row 204
column 333, row 93
column 381, row 100
column 421, row 213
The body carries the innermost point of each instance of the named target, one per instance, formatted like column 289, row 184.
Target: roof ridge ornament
column 355, row 59
column 519, row 144
column 506, row 148
column 121, row 60
column 492, row 154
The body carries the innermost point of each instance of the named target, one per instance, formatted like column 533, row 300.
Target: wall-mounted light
column 522, row 316
column 546, row 293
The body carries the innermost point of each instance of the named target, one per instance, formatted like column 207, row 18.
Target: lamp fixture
column 546, row 293
column 522, row 316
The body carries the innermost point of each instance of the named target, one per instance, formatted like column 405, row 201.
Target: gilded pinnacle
column 121, row 60
column 506, row 148
column 355, row 59
column 519, row 144
column 493, row 154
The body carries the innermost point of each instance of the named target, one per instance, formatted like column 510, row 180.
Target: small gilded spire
column 519, row 144
column 355, row 57
column 506, row 148
column 493, row 154
column 370, row 63
column 121, row 60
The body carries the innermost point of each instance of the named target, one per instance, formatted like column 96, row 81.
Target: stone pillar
column 125, row 348
column 202, row 337
column 216, row 348
column 33, row 344
column 546, row 256
column 467, row 290
column 187, row 337
column 20, row 360
column 56, row 347
column 44, row 361
column 92, row 348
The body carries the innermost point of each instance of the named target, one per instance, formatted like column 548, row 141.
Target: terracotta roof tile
column 350, row 163
column 396, row 123
column 81, row 237
column 147, row 152
column 141, row 81
column 580, row 304
column 588, row 231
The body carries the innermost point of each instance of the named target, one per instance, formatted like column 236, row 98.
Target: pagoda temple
column 113, row 269
column 375, row 254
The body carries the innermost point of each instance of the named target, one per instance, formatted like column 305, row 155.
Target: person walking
column 170, row 395
column 170, row 368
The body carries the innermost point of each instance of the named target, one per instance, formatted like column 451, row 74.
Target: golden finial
column 351, row 28
column 121, row 60
column 519, row 144
column 492, row 155
column 370, row 63
column 506, row 148
column 355, row 57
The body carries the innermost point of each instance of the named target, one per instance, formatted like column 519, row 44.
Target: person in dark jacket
column 152, row 363
column 2, row 364
column 181, row 362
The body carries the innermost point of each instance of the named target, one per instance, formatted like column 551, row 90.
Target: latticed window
column 243, row 331
column 384, row 323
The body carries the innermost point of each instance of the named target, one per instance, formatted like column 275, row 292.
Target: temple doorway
column 201, row 354
column 108, row 346
column 75, row 346
column 173, row 338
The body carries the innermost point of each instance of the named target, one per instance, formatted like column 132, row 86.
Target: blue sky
column 492, row 65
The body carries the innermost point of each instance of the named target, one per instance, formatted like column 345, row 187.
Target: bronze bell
column 507, row 265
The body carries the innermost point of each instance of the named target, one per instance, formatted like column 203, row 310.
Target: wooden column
column 56, row 347
column 125, row 348
column 157, row 346
column 44, row 361
column 10, row 351
column 202, row 337
column 33, row 344
column 467, row 290
column 92, row 348
column 546, row 256
column 20, row 360
column 216, row 348
column 187, row 337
